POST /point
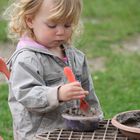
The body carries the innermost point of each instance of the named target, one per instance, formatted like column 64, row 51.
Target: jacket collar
column 26, row 43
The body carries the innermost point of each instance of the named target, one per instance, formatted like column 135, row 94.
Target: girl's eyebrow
column 53, row 21
column 50, row 20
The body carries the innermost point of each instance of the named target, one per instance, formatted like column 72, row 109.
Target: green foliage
column 5, row 116
column 118, row 87
column 3, row 35
column 107, row 22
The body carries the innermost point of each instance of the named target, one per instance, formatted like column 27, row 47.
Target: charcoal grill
column 106, row 131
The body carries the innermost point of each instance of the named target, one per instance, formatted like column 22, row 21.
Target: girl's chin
column 53, row 46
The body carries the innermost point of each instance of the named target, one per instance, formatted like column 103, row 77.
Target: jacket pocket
column 53, row 79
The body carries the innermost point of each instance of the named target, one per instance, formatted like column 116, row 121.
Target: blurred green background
column 111, row 42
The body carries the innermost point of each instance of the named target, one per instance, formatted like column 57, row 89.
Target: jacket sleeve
column 87, row 84
column 28, row 86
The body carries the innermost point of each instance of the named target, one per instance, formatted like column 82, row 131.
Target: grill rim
column 105, row 131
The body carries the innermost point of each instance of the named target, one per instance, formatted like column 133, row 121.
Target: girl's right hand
column 71, row 91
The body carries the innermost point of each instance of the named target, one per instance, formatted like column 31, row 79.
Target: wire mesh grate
column 106, row 131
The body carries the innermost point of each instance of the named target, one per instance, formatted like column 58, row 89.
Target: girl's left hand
column 71, row 91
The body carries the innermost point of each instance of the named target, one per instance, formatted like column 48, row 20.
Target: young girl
column 39, row 91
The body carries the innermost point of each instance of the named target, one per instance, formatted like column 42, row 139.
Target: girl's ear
column 29, row 21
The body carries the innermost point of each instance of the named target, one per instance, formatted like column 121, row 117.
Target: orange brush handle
column 84, row 106
column 69, row 74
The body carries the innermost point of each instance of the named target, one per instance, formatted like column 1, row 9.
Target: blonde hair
column 64, row 10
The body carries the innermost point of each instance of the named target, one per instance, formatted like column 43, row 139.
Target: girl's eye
column 67, row 25
column 51, row 25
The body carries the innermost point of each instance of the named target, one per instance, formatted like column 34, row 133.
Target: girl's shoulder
column 22, row 56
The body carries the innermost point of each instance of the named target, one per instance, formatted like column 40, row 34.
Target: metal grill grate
column 106, row 131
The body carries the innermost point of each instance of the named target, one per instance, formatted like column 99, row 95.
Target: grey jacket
column 35, row 77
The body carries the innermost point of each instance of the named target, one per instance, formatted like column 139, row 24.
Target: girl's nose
column 60, row 30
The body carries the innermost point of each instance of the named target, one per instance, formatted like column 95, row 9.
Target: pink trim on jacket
column 26, row 41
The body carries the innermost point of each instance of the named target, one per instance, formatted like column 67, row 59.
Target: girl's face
column 48, row 33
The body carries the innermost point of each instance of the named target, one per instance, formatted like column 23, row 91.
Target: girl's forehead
column 45, row 10
column 46, row 7
column 60, row 11
column 50, row 11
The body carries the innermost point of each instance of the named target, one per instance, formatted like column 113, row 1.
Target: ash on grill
column 106, row 131
column 77, row 112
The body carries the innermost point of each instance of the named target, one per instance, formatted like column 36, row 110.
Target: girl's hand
column 71, row 91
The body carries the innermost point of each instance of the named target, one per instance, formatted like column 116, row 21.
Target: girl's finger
column 81, row 93
column 78, row 89
column 78, row 97
column 75, row 83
